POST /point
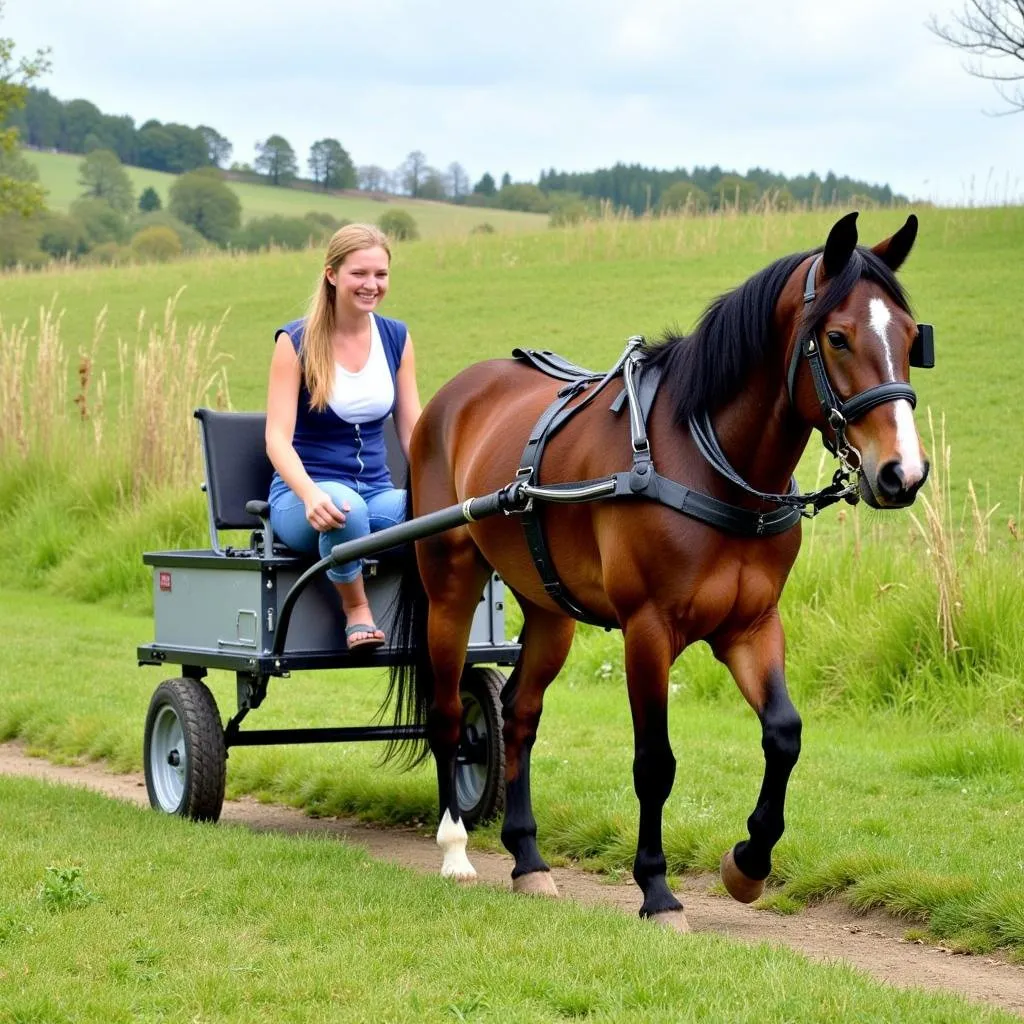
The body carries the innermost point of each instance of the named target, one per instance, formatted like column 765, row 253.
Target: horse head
column 849, row 364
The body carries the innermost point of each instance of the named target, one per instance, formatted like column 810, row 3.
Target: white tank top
column 369, row 393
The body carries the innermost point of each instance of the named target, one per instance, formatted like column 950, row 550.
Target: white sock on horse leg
column 452, row 838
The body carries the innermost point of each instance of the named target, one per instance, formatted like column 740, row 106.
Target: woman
column 335, row 376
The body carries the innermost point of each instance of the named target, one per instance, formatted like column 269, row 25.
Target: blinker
column 922, row 349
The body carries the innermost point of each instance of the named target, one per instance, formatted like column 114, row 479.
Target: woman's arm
column 407, row 401
column 282, row 403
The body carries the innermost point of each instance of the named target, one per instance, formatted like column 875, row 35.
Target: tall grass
column 162, row 377
column 82, row 479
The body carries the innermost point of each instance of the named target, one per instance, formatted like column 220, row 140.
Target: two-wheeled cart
column 261, row 611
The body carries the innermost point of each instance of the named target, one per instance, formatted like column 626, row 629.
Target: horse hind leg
column 546, row 639
column 454, row 574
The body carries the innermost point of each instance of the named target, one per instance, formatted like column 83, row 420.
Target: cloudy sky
column 860, row 87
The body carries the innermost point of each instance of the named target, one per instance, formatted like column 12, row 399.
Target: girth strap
column 557, row 414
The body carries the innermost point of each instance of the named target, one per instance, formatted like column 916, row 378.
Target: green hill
column 58, row 173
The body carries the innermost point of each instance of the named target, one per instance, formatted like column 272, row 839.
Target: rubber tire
column 205, row 756
column 483, row 790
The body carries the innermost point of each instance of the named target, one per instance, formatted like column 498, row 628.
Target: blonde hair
column 315, row 350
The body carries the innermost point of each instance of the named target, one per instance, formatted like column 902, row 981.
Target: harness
column 640, row 385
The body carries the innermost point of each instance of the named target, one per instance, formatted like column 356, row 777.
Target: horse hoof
column 465, row 880
column 674, row 919
column 741, row 888
column 536, row 883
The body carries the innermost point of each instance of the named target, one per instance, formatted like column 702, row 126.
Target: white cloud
column 855, row 86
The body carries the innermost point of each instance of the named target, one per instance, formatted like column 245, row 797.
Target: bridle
column 838, row 413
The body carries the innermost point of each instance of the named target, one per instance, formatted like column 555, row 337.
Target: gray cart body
column 221, row 608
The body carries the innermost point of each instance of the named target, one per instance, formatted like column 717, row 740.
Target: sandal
column 370, row 642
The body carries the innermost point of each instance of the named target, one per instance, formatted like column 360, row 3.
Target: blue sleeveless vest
column 331, row 448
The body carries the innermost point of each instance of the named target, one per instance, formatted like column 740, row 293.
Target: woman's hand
column 322, row 513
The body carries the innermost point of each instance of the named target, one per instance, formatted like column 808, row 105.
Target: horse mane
column 703, row 370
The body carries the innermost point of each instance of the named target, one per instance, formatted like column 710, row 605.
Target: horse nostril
column 891, row 480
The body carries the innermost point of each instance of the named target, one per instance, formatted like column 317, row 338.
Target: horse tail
column 411, row 680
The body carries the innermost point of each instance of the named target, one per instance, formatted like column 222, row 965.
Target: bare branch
column 989, row 30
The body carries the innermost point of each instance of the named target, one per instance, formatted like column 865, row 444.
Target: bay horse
column 833, row 318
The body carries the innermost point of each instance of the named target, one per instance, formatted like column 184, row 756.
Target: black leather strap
column 554, row 365
column 640, row 387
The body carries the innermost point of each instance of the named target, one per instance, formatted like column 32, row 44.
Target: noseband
column 838, row 413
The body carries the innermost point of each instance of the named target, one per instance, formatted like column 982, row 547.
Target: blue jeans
column 370, row 510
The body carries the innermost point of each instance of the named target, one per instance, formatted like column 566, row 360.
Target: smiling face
column 360, row 281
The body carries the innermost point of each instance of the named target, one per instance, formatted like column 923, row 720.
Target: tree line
column 78, row 126
column 641, row 189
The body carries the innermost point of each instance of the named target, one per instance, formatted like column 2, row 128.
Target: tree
column 218, row 149
column 157, row 244
column 456, row 180
column 398, row 225
column 410, row 174
column 103, row 177
column 201, row 199
column 506, row 180
column 101, row 221
column 682, row 197
column 43, row 114
column 63, row 236
column 175, row 148
column 276, row 159
column 330, row 165
column 373, row 178
column 432, row 186
column 149, row 200
column 523, row 196
column 17, row 195
column 992, row 33
column 485, row 186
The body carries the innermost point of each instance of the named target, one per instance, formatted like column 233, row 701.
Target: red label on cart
column 165, row 581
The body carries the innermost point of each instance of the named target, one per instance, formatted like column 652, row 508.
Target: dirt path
column 871, row 942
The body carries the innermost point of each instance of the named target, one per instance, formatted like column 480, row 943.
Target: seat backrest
column 237, row 467
column 238, row 470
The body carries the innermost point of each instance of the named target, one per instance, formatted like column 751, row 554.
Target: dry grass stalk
column 33, row 393
column 940, row 540
column 161, row 380
column 172, row 374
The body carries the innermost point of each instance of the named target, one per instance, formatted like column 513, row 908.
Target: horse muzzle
column 888, row 486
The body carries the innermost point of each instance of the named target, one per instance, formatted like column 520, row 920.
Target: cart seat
column 238, row 474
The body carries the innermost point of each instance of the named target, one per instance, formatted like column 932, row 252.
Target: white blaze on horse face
column 908, row 444
column 452, row 838
column 881, row 317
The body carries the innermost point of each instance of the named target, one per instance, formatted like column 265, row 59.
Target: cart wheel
column 480, row 770
column 183, row 751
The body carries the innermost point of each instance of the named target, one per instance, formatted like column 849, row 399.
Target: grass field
column 902, row 739
column 582, row 292
column 58, row 173
column 868, row 821
column 110, row 914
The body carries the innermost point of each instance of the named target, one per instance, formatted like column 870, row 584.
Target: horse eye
column 836, row 340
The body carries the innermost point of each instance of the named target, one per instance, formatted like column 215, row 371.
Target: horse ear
column 842, row 240
column 893, row 251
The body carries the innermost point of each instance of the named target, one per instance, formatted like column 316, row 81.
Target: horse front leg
column 757, row 663
column 648, row 659
column 453, row 576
